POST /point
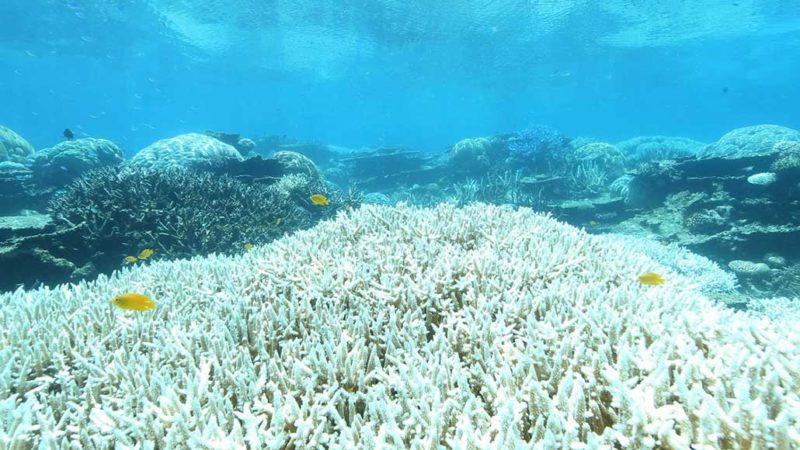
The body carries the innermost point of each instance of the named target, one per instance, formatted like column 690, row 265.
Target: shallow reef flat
column 399, row 327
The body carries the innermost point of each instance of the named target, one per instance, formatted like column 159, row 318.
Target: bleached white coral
column 706, row 275
column 762, row 179
column 776, row 308
column 749, row 268
column 392, row 328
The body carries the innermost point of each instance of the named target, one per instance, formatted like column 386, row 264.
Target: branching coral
column 538, row 149
column 499, row 189
column 592, row 166
column 399, row 328
column 707, row 275
column 588, row 177
column 178, row 212
column 622, row 187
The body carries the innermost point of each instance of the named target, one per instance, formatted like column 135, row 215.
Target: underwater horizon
column 345, row 224
column 412, row 74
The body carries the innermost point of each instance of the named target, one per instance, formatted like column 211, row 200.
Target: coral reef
column 67, row 160
column 748, row 268
column 756, row 140
column 644, row 149
column 243, row 145
column 592, row 167
column 788, row 156
column 537, row 149
column 728, row 208
column 390, row 168
column 399, row 328
column 477, row 155
column 13, row 147
column 503, row 188
column 293, row 163
column 23, row 225
column 762, row 178
column 15, row 179
column 36, row 255
column 177, row 212
column 707, row 275
column 778, row 309
column 187, row 151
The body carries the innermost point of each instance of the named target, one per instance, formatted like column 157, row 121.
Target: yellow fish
column 320, row 200
column 278, row 221
column 248, row 246
column 134, row 301
column 651, row 278
column 146, row 253
column 131, row 259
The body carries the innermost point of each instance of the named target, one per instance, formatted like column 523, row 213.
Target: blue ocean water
column 413, row 73
column 415, row 224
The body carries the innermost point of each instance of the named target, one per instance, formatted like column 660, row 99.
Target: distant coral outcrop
column 67, row 160
column 644, row 149
column 186, row 151
column 477, row 155
column 757, row 140
column 13, row 147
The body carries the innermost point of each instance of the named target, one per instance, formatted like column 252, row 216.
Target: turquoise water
column 399, row 224
column 415, row 73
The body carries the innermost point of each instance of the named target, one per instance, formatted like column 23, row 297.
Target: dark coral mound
column 178, row 213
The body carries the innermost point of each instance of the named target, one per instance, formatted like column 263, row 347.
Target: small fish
column 650, row 278
column 134, row 302
column 146, row 253
column 593, row 223
column 68, row 134
column 131, row 259
column 320, row 200
column 278, row 221
column 248, row 246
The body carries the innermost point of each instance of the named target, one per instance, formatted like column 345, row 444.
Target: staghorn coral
column 593, row 166
column 538, row 149
column 399, row 328
column 778, row 309
column 707, row 275
column 178, row 212
column 622, row 187
column 187, row 151
column 496, row 188
column 588, row 178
